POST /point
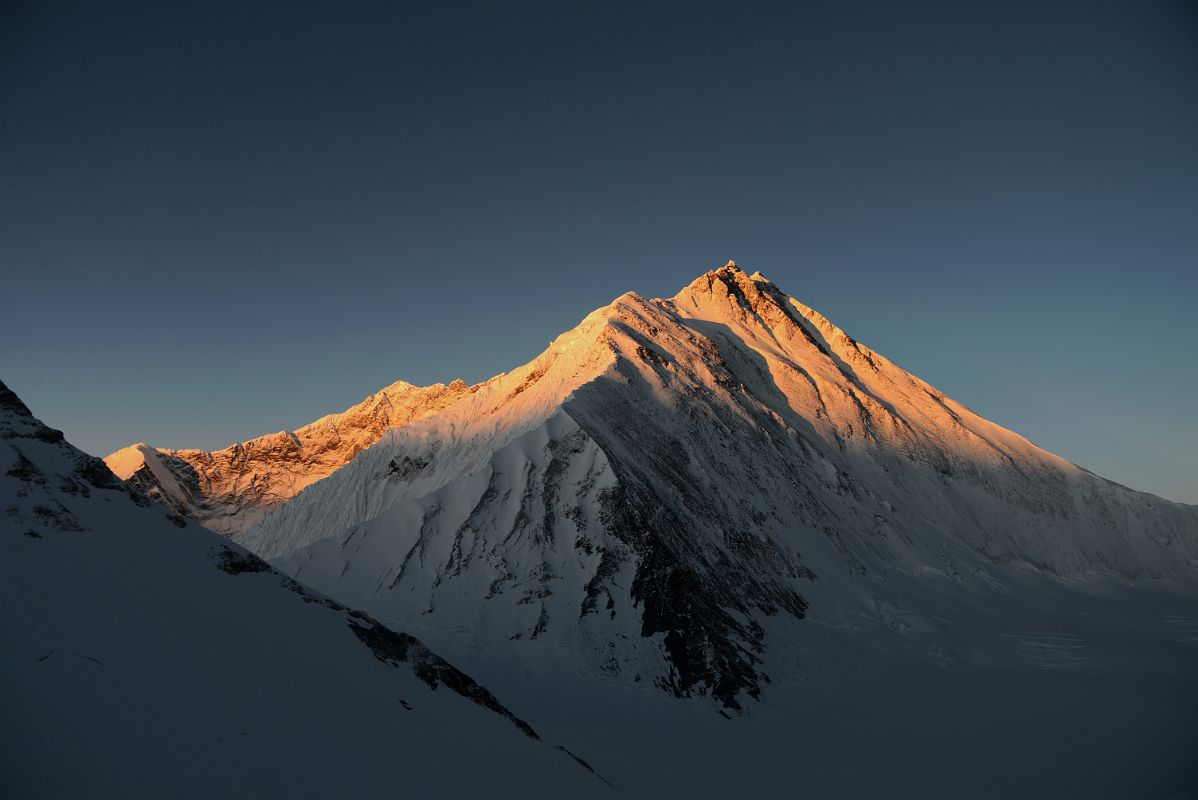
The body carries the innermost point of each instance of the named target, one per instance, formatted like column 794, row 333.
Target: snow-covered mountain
column 667, row 492
column 144, row 656
column 229, row 490
column 720, row 495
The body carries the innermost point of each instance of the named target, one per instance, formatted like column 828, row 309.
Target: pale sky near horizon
column 219, row 221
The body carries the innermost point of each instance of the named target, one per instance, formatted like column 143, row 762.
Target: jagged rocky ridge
column 146, row 654
column 231, row 489
column 674, row 477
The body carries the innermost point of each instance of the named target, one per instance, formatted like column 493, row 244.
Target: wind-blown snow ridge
column 142, row 653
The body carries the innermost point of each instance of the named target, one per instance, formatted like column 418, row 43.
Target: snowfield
column 143, row 656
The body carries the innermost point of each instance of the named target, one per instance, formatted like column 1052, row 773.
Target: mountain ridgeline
column 674, row 487
column 229, row 490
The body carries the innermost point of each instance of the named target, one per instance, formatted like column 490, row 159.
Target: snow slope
column 229, row 490
column 664, row 495
column 142, row 655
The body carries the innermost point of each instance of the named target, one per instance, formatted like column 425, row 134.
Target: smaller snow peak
column 128, row 460
column 398, row 387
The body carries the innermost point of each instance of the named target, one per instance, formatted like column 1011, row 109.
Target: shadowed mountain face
column 229, row 490
column 143, row 654
column 675, row 484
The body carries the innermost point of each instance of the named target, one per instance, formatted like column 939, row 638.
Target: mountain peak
column 128, row 460
column 730, row 284
column 732, row 270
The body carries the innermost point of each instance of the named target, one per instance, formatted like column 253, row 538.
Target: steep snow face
column 143, row 654
column 229, row 490
column 523, row 549
column 675, row 478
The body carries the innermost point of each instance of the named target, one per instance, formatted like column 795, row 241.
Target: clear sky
column 224, row 219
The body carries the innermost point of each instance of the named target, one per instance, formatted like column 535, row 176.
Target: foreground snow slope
column 662, row 496
column 229, row 490
column 144, row 656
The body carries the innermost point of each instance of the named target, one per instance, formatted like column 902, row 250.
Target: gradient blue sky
column 219, row 221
